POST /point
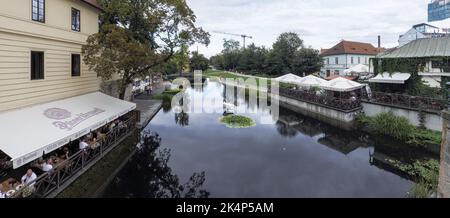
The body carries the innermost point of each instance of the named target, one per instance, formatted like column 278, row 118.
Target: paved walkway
column 148, row 107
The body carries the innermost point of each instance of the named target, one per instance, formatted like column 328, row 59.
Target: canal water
column 294, row 157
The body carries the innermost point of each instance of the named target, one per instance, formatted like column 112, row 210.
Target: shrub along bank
column 399, row 128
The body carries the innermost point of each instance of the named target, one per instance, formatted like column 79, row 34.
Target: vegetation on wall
column 426, row 172
column 415, row 86
column 399, row 128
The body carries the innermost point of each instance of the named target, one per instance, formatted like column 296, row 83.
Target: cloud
column 320, row 23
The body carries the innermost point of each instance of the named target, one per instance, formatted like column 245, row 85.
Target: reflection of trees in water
column 166, row 106
column 182, row 119
column 149, row 176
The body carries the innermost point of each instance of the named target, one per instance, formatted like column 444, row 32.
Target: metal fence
column 48, row 182
column 326, row 101
column 408, row 101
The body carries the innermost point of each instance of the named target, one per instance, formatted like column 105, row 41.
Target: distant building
column 421, row 31
column 345, row 55
column 438, row 10
column 435, row 53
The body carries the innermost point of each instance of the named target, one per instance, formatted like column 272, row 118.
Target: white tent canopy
column 289, row 78
column 394, row 78
column 29, row 132
column 310, row 80
column 360, row 68
column 342, row 85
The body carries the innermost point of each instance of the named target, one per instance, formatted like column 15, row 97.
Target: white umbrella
column 309, row 81
column 360, row 68
column 289, row 78
column 341, row 84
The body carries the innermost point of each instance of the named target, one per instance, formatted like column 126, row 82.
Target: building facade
column 421, row 31
column 438, row 10
column 346, row 55
column 40, row 51
column 434, row 53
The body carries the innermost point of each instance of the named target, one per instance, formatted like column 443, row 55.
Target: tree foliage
column 136, row 36
column 287, row 55
column 198, row 62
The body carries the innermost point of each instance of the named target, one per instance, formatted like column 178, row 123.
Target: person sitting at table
column 83, row 144
column 112, row 126
column 29, row 178
column 98, row 135
column 47, row 166
column 65, row 153
column 2, row 195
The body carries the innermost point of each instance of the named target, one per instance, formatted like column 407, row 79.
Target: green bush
column 420, row 190
column 167, row 95
column 400, row 129
column 389, row 124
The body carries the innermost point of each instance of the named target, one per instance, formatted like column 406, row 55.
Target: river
column 295, row 157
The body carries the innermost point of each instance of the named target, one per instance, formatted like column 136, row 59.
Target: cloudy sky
column 320, row 23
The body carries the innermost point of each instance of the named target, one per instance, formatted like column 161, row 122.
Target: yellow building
column 40, row 50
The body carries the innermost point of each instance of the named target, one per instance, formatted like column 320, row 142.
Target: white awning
column 394, row 78
column 289, row 78
column 29, row 132
column 341, row 84
column 310, row 80
column 360, row 68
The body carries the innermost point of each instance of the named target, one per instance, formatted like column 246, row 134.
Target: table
column 7, row 184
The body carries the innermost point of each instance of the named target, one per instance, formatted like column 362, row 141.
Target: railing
column 54, row 179
column 326, row 101
column 407, row 101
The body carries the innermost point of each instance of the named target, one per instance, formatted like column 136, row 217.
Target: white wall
column 433, row 121
column 344, row 62
column 410, row 36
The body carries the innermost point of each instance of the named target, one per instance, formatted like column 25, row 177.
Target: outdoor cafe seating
column 58, row 157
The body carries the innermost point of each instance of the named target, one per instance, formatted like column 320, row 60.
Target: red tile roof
column 347, row 47
column 92, row 3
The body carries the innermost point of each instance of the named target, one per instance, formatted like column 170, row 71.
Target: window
column 365, row 61
column 359, row 60
column 37, row 65
column 76, row 20
column 336, row 60
column 351, row 60
column 38, row 10
column 328, row 61
column 76, row 65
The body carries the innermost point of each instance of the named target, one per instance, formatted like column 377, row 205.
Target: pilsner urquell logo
column 61, row 114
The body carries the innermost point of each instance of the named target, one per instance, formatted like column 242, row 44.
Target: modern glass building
column 438, row 10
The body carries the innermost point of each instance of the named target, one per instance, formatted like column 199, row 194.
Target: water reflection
column 296, row 156
column 182, row 118
column 148, row 175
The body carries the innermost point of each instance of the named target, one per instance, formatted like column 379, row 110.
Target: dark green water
column 308, row 159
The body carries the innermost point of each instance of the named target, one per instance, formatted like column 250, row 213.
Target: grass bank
column 228, row 75
column 167, row 95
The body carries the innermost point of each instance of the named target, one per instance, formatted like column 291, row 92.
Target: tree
column 217, row 61
column 307, row 61
column 181, row 59
column 283, row 54
column 198, row 62
column 230, row 53
column 252, row 59
column 136, row 36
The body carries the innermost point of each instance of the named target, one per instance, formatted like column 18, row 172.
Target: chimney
column 379, row 41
